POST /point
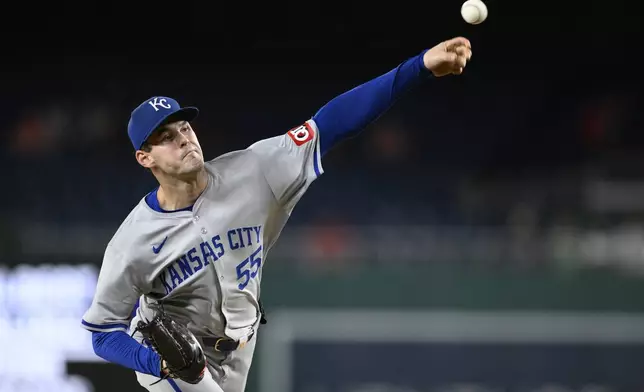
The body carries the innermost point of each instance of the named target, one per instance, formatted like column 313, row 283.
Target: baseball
column 474, row 11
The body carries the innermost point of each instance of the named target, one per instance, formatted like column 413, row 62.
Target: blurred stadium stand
column 518, row 187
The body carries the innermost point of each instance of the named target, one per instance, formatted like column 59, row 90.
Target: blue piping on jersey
column 316, row 167
column 174, row 385
column 104, row 326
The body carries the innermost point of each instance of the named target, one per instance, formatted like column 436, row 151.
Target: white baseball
column 474, row 11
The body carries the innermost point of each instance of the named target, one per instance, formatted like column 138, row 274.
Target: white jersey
column 205, row 264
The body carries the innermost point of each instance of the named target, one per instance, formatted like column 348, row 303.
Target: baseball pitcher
column 191, row 253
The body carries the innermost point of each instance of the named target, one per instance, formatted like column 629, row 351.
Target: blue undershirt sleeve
column 349, row 113
column 120, row 348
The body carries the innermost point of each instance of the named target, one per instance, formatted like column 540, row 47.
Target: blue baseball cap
column 154, row 112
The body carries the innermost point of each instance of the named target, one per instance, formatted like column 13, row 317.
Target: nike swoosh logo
column 157, row 249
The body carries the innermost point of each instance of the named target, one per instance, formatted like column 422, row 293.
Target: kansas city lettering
column 197, row 258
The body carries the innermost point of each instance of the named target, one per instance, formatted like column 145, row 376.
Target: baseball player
column 193, row 249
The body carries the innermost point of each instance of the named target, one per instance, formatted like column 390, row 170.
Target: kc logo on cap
column 159, row 102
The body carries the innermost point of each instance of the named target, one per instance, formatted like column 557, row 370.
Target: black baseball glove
column 181, row 354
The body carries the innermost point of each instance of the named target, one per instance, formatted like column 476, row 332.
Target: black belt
column 224, row 345
column 227, row 345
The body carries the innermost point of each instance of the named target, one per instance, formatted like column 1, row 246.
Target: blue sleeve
column 347, row 114
column 120, row 348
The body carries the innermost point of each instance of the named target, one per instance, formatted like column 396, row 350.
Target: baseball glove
column 181, row 354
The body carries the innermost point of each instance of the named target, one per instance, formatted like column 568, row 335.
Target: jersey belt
column 226, row 345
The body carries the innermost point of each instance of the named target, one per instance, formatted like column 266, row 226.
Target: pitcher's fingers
column 455, row 42
column 464, row 51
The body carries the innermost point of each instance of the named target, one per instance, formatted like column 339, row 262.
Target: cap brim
column 187, row 113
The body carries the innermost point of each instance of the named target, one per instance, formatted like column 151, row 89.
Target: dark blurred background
column 499, row 200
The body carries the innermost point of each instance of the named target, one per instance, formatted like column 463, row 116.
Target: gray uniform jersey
column 205, row 264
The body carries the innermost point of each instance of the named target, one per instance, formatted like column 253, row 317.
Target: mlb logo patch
column 302, row 134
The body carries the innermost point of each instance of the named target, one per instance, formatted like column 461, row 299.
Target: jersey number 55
column 246, row 272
